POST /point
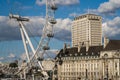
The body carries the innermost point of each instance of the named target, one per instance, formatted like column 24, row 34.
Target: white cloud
column 9, row 29
column 109, row 7
column 64, row 24
column 23, row 56
column 35, row 25
column 11, row 55
column 91, row 11
column 74, row 14
column 112, row 27
column 1, row 58
column 60, row 2
column 63, row 29
column 48, row 54
column 6, row 21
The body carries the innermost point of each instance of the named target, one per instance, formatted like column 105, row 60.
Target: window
column 105, row 55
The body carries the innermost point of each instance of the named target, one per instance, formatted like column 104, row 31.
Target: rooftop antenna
column 88, row 11
column 74, row 15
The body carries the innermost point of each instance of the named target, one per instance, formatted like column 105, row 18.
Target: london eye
column 34, row 61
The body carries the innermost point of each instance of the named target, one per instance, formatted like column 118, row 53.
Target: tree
column 13, row 65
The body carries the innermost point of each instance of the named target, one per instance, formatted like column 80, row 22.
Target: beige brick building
column 87, row 29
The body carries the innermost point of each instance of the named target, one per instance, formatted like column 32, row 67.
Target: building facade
column 87, row 30
column 98, row 63
column 88, row 59
column 80, row 65
column 48, row 64
column 111, row 59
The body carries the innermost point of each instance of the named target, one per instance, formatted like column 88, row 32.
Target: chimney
column 64, row 47
column 106, row 41
column 68, row 46
column 79, row 47
column 87, row 45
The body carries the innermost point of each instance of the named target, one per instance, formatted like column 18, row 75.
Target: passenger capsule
column 54, row 7
column 50, row 35
column 40, row 59
column 53, row 21
column 46, row 48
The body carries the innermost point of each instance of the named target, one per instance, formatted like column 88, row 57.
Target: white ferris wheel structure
column 47, row 33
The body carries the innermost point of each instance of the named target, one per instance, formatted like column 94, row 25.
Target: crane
column 47, row 34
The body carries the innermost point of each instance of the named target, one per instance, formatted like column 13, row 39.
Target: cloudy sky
column 10, row 40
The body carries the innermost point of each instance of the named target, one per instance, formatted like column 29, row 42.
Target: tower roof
column 112, row 45
column 85, row 15
column 92, row 51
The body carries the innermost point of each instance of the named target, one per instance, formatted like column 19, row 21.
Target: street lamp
column 86, row 74
column 107, row 73
column 106, row 66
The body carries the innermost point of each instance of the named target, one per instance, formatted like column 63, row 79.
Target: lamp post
column 86, row 74
column 116, row 75
column 33, row 76
column 106, row 66
column 107, row 73
column 86, row 71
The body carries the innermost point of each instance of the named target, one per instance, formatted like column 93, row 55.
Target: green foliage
column 13, row 65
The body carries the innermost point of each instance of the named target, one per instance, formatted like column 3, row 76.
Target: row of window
column 80, row 69
column 80, row 58
column 88, row 16
column 80, row 73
